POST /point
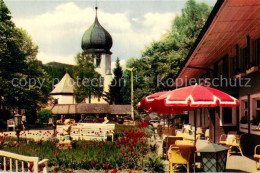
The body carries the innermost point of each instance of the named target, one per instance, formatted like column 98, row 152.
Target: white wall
column 64, row 99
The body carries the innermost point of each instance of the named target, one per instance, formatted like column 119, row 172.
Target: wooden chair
column 233, row 141
column 175, row 157
column 256, row 156
column 16, row 162
column 10, row 123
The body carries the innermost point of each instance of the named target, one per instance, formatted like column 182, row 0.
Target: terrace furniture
column 169, row 140
column 10, row 123
column 16, row 162
column 180, row 154
column 256, row 156
column 233, row 141
column 89, row 131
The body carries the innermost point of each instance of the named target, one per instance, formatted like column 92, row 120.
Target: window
column 243, row 59
column 245, row 108
column 258, row 109
column 228, row 116
column 257, row 47
column 225, row 67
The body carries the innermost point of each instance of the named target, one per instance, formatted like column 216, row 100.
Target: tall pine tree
column 114, row 95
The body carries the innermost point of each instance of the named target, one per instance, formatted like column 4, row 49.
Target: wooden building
column 226, row 55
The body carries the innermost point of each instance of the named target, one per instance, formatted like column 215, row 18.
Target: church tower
column 97, row 42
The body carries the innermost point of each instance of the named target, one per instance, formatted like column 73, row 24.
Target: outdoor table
column 169, row 140
column 186, row 150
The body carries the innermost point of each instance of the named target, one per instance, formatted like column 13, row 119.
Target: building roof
column 91, row 109
column 96, row 39
column 65, row 86
column 120, row 109
column 228, row 24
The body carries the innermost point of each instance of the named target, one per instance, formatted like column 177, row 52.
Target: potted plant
column 243, row 122
column 238, row 73
column 251, row 68
column 254, row 122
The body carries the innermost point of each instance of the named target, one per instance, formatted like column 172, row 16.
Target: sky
column 57, row 26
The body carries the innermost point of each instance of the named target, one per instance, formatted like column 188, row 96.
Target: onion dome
column 96, row 39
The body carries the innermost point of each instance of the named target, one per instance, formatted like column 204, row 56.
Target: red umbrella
column 187, row 98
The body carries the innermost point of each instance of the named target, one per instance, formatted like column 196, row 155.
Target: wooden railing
column 12, row 162
column 89, row 131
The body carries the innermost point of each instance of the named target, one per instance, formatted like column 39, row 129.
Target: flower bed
column 126, row 152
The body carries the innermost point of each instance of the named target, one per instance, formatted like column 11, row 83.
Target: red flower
column 130, row 171
column 55, row 169
column 36, row 150
column 98, row 152
column 70, row 157
column 92, row 163
column 142, row 150
column 106, row 171
column 105, row 165
column 118, row 146
column 17, row 145
column 123, row 153
column 126, row 158
column 57, row 155
column 69, row 148
column 43, row 165
column 80, row 146
column 69, row 171
column 130, row 149
column 114, row 171
column 99, row 146
column 133, row 153
column 57, row 148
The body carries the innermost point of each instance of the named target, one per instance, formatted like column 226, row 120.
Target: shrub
column 154, row 163
column 44, row 115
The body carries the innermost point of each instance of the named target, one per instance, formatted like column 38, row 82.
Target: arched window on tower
column 98, row 60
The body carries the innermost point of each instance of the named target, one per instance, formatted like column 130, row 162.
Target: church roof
column 96, row 39
column 65, row 86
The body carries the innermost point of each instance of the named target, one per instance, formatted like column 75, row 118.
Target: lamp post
column 132, row 92
column 54, row 121
column 18, row 125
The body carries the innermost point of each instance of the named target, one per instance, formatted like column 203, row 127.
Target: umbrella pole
column 195, row 117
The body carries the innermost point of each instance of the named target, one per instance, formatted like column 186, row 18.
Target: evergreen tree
column 89, row 83
column 114, row 95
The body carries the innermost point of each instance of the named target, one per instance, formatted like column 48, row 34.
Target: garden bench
column 89, row 131
column 12, row 162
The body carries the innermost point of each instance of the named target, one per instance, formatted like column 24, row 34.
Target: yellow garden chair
column 175, row 157
column 233, row 141
column 256, row 156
